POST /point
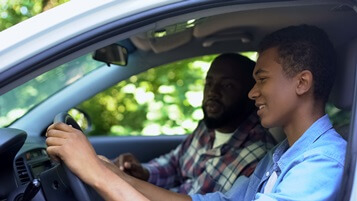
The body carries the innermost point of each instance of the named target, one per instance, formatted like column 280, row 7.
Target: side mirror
column 112, row 54
column 82, row 118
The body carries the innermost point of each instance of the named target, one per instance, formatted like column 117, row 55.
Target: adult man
column 294, row 75
column 227, row 144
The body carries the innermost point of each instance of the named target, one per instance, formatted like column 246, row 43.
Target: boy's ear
column 304, row 82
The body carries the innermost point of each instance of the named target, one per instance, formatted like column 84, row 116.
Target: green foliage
column 165, row 99
column 339, row 117
column 15, row 11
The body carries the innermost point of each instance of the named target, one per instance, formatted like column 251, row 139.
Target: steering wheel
column 81, row 191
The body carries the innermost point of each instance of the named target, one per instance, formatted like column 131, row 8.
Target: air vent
column 22, row 171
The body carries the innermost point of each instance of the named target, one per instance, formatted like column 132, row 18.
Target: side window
column 340, row 119
column 163, row 100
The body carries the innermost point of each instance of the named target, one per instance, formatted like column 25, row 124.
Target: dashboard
column 28, row 173
column 23, row 159
column 30, row 164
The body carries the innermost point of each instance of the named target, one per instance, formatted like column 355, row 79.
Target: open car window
column 163, row 100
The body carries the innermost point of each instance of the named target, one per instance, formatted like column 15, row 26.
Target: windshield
column 17, row 102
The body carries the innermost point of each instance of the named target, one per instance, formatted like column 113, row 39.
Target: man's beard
column 229, row 114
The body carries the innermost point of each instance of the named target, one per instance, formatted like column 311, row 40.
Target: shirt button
column 267, row 174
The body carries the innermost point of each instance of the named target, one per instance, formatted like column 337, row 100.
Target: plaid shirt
column 195, row 167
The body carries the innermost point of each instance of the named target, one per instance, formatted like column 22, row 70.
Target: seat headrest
column 343, row 89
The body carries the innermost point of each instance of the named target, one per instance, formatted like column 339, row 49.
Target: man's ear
column 304, row 82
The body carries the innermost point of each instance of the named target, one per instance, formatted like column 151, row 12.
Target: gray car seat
column 343, row 90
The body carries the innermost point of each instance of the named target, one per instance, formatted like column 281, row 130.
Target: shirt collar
column 283, row 154
column 239, row 136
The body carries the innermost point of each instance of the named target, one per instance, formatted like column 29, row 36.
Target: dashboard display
column 35, row 154
column 37, row 161
column 36, row 169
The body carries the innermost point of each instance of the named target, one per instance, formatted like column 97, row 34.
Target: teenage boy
column 228, row 143
column 294, row 75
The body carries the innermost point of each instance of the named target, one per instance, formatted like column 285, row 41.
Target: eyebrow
column 259, row 71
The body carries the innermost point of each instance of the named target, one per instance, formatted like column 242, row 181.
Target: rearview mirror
column 112, row 54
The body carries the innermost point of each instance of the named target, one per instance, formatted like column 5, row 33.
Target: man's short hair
column 305, row 47
column 245, row 65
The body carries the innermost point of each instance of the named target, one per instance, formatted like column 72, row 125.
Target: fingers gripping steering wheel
column 81, row 191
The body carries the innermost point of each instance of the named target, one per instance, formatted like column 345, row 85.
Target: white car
column 55, row 61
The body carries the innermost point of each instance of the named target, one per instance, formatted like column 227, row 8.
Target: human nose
column 253, row 93
column 213, row 90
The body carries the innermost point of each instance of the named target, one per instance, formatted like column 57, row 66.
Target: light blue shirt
column 311, row 169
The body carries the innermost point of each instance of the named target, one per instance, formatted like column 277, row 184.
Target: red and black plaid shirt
column 195, row 167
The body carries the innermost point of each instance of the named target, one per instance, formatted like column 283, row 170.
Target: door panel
column 144, row 148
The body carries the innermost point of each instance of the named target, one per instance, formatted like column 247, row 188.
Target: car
column 53, row 62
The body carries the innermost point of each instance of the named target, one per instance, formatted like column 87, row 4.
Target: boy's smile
column 260, row 109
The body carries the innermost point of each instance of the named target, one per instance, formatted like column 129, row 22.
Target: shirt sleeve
column 165, row 170
column 316, row 178
column 237, row 192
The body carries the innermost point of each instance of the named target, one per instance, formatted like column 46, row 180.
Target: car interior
column 229, row 27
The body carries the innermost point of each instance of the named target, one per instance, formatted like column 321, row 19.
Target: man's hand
column 72, row 147
column 130, row 165
column 110, row 165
